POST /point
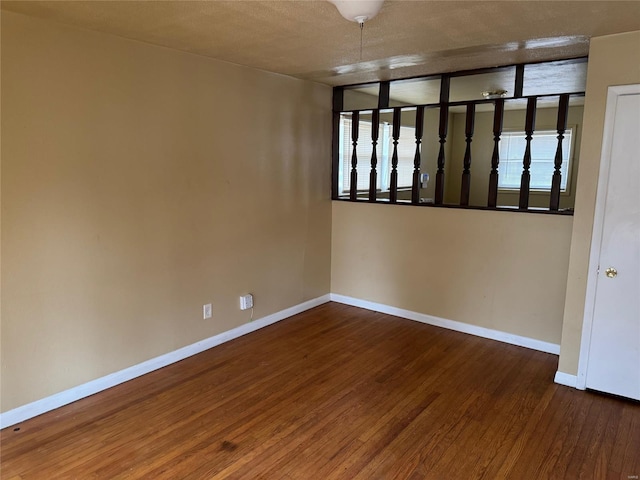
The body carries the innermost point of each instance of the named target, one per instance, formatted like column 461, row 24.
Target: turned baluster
column 526, row 161
column 355, row 123
column 556, row 180
column 498, row 116
column 442, row 133
column 415, row 186
column 373, row 175
column 466, row 172
column 393, row 183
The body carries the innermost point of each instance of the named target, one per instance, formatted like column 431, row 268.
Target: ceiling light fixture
column 358, row 11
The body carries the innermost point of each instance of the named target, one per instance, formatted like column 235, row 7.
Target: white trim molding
column 33, row 409
column 451, row 324
column 567, row 380
column 57, row 400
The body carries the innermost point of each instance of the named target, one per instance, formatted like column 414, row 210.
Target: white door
column 613, row 363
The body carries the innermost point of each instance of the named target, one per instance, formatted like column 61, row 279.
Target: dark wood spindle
column 563, row 111
column 466, row 172
column 383, row 95
column 335, row 163
column 445, row 87
column 338, row 101
column 444, row 123
column 373, row 176
column 519, row 81
column 498, row 117
column 526, row 161
column 415, row 186
column 393, row 182
column 355, row 124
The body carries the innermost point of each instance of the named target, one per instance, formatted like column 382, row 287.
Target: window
column 543, row 152
column 384, row 152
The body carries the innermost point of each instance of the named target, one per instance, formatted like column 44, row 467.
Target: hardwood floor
column 337, row 393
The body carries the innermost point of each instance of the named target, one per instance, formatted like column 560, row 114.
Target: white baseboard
column 451, row 324
column 567, row 380
column 25, row 412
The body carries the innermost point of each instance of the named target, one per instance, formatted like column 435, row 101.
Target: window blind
column 364, row 149
column 543, row 152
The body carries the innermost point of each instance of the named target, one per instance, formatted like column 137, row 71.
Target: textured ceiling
column 309, row 39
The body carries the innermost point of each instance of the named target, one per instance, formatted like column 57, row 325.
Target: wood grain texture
column 337, row 392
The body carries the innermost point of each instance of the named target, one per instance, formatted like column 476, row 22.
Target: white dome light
column 358, row 10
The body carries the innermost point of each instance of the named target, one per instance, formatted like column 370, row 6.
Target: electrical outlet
column 424, row 180
column 246, row 301
column 206, row 311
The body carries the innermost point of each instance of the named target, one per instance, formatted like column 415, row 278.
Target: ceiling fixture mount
column 491, row 94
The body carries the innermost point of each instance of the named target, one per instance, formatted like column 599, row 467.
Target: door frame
column 613, row 93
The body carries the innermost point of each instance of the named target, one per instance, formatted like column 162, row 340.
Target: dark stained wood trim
column 444, row 105
column 561, row 126
column 335, row 155
column 383, row 95
column 544, row 211
column 526, row 162
column 373, row 174
column 463, row 103
column 393, row 179
column 466, row 171
column 355, row 128
column 442, row 135
column 461, row 73
column 445, row 85
column 415, row 185
column 498, row 117
column 338, row 99
column 519, row 86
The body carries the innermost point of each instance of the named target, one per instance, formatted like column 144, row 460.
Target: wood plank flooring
column 337, row 393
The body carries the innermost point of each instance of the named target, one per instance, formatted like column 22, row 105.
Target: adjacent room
column 310, row 239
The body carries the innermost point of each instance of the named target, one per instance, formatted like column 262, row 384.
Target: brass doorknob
column 611, row 272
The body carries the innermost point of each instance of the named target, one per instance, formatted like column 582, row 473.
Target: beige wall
column 613, row 60
column 482, row 267
column 500, row 270
column 139, row 183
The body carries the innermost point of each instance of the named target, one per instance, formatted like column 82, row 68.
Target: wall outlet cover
column 246, row 302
